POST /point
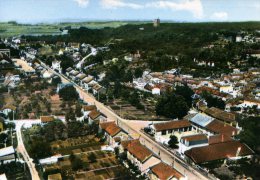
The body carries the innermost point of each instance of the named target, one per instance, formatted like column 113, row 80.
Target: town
column 131, row 102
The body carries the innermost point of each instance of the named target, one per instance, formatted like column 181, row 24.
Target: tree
column 70, row 116
column 77, row 164
column 173, row 142
column 92, row 157
column 66, row 62
column 185, row 92
column 56, row 80
column 76, row 129
column 250, row 132
column 213, row 101
column 171, row 106
column 69, row 93
column 40, row 149
column 78, row 110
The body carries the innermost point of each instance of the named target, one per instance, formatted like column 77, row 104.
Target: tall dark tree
column 213, row 101
column 185, row 92
column 173, row 142
column 69, row 93
column 172, row 106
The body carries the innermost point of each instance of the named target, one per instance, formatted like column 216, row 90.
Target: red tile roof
column 139, row 151
column 89, row 107
column 111, row 128
column 124, row 144
column 45, row 119
column 172, row 125
column 164, row 171
column 94, row 114
column 220, row 138
column 220, row 114
column 196, row 137
column 218, row 151
column 221, row 128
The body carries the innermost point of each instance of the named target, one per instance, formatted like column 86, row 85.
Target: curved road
column 165, row 155
column 21, row 148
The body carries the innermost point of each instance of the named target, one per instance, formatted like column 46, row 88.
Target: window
column 170, row 131
column 164, row 132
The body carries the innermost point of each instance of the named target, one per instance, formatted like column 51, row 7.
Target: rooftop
column 111, row 128
column 218, row 151
column 172, row 125
column 6, row 151
column 196, row 137
column 201, row 119
column 221, row 128
column 139, row 151
column 46, row 119
column 94, row 114
column 220, row 114
column 164, row 171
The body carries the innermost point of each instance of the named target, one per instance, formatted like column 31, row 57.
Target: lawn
column 13, row 29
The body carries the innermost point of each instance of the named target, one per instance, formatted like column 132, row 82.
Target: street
column 21, row 148
column 131, row 129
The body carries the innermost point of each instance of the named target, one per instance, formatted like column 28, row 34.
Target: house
column 188, row 142
column 56, row 65
column 250, row 103
column 8, row 109
column 96, row 117
column 68, row 70
column 7, row 154
column 226, row 117
column 80, row 77
column 85, row 83
column 141, row 156
column 227, row 88
column 73, row 74
column 46, row 119
column 86, row 109
column 199, row 121
column 98, row 89
column 74, row 45
column 163, row 131
column 113, row 133
column 163, row 171
column 46, row 74
column 3, row 177
column 55, row 176
column 205, row 124
column 218, row 127
column 219, row 151
column 124, row 144
column 156, row 91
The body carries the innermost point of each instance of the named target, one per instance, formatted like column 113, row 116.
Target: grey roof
column 201, row 119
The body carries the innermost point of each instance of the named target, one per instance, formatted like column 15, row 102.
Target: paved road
column 21, row 148
column 165, row 155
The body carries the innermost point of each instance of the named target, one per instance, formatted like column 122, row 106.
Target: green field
column 9, row 29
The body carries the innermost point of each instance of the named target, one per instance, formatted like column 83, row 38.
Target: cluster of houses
column 138, row 154
column 87, row 82
column 237, row 89
column 203, row 137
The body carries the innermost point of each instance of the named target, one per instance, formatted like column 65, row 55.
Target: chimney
column 238, row 151
column 222, row 137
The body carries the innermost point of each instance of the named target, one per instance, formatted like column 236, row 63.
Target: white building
column 163, row 131
column 238, row 38
column 56, row 65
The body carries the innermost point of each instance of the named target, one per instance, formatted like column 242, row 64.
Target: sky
column 48, row 11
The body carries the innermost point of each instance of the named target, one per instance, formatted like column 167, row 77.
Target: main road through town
column 165, row 155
